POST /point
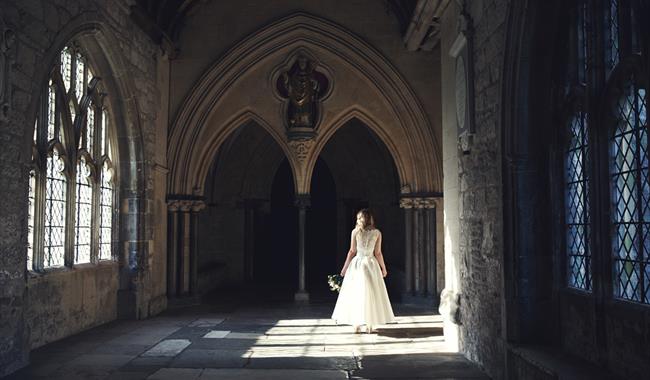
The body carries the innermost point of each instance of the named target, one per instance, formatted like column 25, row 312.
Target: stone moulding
column 190, row 154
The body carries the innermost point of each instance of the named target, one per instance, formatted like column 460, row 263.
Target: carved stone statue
column 302, row 88
column 7, row 39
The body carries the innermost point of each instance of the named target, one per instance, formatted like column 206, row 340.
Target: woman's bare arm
column 351, row 253
column 380, row 257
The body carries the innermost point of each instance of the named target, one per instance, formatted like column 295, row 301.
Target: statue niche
column 303, row 87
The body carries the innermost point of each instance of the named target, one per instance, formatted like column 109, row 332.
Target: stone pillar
column 182, row 259
column 173, row 249
column 407, row 205
column 418, row 249
column 194, row 246
column 430, row 243
column 302, row 202
column 421, row 247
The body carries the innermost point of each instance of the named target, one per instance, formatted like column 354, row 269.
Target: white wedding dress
column 363, row 299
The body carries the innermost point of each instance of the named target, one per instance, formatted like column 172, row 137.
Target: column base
column 301, row 297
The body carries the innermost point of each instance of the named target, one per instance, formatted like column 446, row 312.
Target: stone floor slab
column 255, row 341
column 169, row 347
column 216, row 334
column 271, row 374
column 176, row 374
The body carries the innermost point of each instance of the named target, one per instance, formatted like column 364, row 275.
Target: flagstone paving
column 265, row 341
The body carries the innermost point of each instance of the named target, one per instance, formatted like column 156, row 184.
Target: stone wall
column 128, row 62
column 480, row 244
column 473, row 189
column 66, row 302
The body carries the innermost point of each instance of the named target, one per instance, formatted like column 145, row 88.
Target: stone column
column 173, row 248
column 197, row 206
column 430, row 237
column 302, row 202
column 182, row 259
column 419, row 269
column 407, row 205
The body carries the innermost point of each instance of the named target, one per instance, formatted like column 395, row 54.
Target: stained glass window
column 83, row 215
column 577, row 204
column 106, row 210
column 631, row 195
column 55, row 212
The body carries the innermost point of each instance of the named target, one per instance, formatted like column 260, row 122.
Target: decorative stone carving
column 464, row 79
column 185, row 205
column 418, row 202
column 303, row 87
column 301, row 148
column 7, row 39
column 406, row 203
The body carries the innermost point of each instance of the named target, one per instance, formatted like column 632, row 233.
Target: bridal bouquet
column 334, row 281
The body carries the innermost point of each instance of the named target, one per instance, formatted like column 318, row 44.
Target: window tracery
column 72, row 181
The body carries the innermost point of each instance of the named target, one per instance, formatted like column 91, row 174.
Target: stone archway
column 363, row 85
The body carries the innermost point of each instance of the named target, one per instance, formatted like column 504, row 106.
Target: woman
column 363, row 299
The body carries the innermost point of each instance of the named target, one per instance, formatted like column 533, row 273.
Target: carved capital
column 185, row 205
column 428, row 202
column 173, row 205
column 406, row 203
column 301, row 148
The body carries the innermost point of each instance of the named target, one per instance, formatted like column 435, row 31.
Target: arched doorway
column 276, row 266
column 245, row 232
column 321, row 230
column 365, row 176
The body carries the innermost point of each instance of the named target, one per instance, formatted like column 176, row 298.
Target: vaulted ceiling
column 163, row 20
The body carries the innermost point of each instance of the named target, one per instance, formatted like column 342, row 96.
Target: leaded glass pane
column 103, row 132
column 83, row 214
column 30, row 220
column 73, row 111
column 79, row 81
column 577, row 206
column 66, row 67
column 630, row 195
column 106, row 217
column 612, row 50
column 90, row 128
column 55, row 206
column 51, row 111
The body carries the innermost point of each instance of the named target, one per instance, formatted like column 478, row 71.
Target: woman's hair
column 368, row 218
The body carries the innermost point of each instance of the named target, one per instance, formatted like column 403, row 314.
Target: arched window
column 71, row 188
column 606, row 151
column 577, row 150
column 630, row 188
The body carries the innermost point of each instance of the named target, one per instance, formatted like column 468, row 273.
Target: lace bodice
column 366, row 240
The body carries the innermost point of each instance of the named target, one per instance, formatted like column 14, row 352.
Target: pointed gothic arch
column 242, row 79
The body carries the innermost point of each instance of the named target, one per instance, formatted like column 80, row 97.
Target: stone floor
column 264, row 341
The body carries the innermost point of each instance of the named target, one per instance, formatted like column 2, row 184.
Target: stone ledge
column 547, row 362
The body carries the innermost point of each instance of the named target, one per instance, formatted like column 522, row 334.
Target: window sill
column 62, row 271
